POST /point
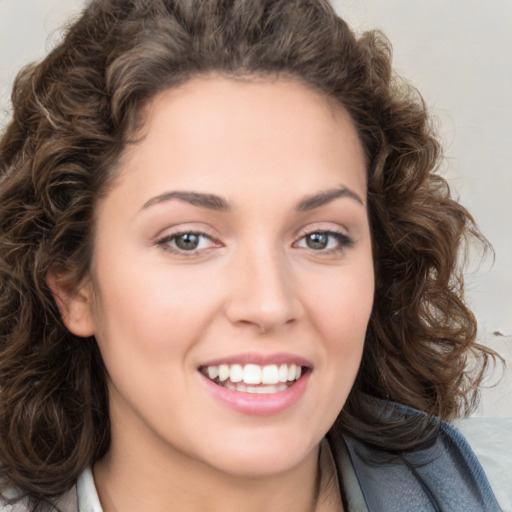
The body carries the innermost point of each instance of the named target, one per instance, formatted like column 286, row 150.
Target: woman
column 225, row 260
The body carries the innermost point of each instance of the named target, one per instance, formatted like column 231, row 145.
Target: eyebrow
column 210, row 201
column 322, row 198
column 215, row 202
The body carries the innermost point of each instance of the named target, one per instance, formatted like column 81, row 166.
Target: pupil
column 317, row 241
column 188, row 241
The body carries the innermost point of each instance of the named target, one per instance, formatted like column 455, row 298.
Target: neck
column 130, row 482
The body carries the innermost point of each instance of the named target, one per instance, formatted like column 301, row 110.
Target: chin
column 264, row 456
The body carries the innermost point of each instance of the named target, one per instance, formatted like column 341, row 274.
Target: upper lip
column 259, row 359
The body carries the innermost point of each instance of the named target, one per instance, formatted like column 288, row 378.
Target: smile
column 253, row 378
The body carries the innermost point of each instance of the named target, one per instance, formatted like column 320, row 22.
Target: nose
column 262, row 291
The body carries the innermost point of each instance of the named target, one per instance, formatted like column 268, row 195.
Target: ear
column 75, row 306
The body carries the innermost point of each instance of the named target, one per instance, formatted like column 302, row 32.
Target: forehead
column 213, row 132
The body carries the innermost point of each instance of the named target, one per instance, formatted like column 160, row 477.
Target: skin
column 253, row 286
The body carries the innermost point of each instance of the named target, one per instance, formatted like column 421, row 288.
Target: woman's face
column 234, row 245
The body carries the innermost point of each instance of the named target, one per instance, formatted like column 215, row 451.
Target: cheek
column 342, row 312
column 152, row 311
column 345, row 303
column 148, row 327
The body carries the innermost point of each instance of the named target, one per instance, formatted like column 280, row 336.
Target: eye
column 184, row 242
column 325, row 241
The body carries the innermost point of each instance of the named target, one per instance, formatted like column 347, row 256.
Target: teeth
column 291, row 372
column 252, row 374
column 236, row 374
column 223, row 372
column 244, row 378
column 270, row 374
column 213, row 372
column 283, row 373
column 260, row 390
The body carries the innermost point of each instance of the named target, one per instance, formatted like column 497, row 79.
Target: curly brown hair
column 74, row 113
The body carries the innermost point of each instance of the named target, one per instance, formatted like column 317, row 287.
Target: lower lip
column 259, row 404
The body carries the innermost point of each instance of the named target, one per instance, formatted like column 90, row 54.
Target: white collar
column 88, row 500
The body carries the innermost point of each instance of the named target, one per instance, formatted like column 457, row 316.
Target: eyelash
column 168, row 239
column 343, row 240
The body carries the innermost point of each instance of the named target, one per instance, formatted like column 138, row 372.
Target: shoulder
column 9, row 499
column 9, row 502
column 491, row 443
column 446, row 475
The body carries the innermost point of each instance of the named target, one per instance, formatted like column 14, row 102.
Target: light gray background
column 458, row 54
